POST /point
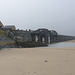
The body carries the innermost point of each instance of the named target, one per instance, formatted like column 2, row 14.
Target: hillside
column 5, row 41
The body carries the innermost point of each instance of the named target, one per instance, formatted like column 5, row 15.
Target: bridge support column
column 43, row 40
column 48, row 39
column 36, row 38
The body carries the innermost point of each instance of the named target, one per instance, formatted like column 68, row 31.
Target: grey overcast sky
column 56, row 15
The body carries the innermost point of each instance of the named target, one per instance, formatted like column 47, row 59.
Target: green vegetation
column 5, row 38
column 6, row 43
column 3, row 33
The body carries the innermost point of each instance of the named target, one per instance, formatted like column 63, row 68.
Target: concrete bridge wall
column 61, row 38
column 19, row 35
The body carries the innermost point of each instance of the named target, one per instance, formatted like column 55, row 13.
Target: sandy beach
column 37, row 61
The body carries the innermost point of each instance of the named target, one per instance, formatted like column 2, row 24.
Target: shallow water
column 61, row 44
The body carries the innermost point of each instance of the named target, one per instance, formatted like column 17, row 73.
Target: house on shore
column 12, row 27
column 7, row 27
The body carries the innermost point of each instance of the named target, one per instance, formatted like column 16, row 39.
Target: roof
column 9, row 26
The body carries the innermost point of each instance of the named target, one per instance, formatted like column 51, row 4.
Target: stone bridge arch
column 44, row 36
column 41, row 35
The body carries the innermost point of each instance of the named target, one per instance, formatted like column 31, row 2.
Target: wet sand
column 37, row 61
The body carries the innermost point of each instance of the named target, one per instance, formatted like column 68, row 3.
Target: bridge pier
column 36, row 38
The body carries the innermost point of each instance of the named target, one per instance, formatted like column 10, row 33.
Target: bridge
column 49, row 36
